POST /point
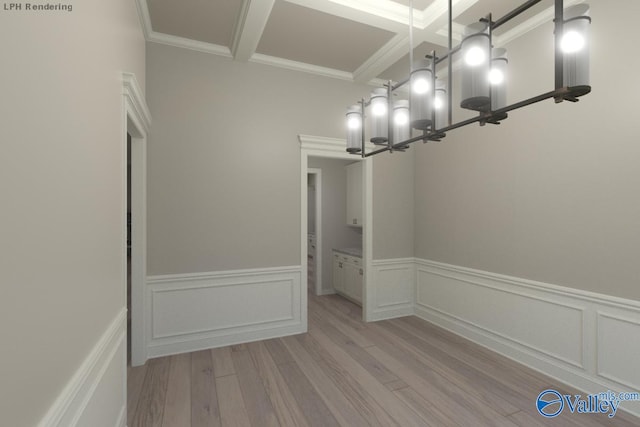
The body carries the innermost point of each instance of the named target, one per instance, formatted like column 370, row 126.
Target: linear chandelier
column 483, row 74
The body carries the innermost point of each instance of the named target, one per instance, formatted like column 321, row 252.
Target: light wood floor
column 402, row 372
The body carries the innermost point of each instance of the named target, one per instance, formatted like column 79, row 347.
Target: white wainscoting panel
column 96, row 395
column 587, row 340
column 619, row 348
column 197, row 311
column 393, row 288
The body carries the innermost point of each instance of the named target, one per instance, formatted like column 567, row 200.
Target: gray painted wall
column 335, row 231
column 224, row 159
column 393, row 205
column 62, row 173
column 552, row 194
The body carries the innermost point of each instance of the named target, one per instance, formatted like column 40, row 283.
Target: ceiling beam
column 425, row 30
column 249, row 27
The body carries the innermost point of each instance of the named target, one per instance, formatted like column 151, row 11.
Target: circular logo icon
column 550, row 403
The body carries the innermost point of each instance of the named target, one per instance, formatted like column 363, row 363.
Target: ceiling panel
column 417, row 4
column 400, row 70
column 210, row 21
column 499, row 8
column 305, row 35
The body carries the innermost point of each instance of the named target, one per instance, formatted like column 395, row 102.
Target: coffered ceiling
column 358, row 40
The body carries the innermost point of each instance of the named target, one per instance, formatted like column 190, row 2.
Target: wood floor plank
column 255, row 397
column 351, row 389
column 284, row 403
column 150, row 408
column 489, row 391
column 340, row 407
column 278, row 351
column 316, row 412
column 177, row 411
column 222, row 363
column 135, row 381
column 204, row 397
column 233, row 412
column 434, row 389
column 490, row 362
column 345, row 372
column 357, row 334
column 384, row 397
column 432, row 414
column 382, row 374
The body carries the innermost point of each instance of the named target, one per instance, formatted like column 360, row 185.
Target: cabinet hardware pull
column 361, row 272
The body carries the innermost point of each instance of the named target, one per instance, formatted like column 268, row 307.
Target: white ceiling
column 359, row 40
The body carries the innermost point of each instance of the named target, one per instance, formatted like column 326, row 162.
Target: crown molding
column 190, row 44
column 301, row 66
column 144, row 17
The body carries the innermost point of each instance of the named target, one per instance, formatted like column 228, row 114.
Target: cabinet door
column 338, row 273
column 351, row 279
column 354, row 194
column 358, row 285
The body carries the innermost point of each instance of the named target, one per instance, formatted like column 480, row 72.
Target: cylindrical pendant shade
column 401, row 127
column 378, row 113
column 475, row 49
column 441, row 106
column 421, row 94
column 498, row 78
column 354, row 129
column 575, row 48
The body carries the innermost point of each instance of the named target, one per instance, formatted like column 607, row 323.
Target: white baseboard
column 587, row 340
column 95, row 394
column 393, row 289
column 190, row 312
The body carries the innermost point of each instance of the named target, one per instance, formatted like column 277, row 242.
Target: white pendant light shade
column 575, row 48
column 441, row 105
column 498, row 78
column 354, row 129
column 401, row 119
column 421, row 94
column 475, row 49
column 379, row 116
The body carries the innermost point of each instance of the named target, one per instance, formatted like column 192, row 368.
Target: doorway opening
column 314, row 231
column 135, row 255
column 136, row 124
column 329, row 149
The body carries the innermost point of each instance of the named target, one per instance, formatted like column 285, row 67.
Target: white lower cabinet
column 347, row 276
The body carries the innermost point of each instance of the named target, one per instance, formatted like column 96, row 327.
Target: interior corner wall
column 224, row 158
column 551, row 194
column 393, row 205
column 62, row 219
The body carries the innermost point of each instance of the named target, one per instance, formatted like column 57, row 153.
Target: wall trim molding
column 393, row 288
column 197, row 311
column 535, row 285
column 135, row 100
column 77, row 394
column 589, row 347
